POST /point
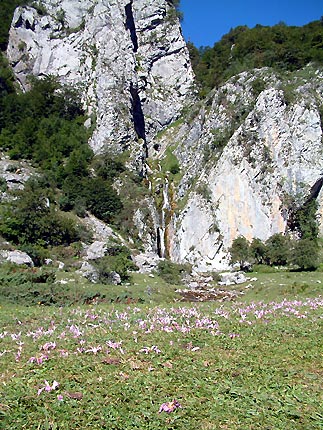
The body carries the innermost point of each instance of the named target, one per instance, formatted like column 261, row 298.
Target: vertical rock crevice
column 138, row 116
column 130, row 25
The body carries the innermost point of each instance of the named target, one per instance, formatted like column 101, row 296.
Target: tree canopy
column 280, row 46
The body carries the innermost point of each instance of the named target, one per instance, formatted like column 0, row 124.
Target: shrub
column 172, row 273
column 37, row 253
column 305, row 220
column 101, row 199
column 118, row 259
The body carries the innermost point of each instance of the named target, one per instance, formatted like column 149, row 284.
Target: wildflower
column 114, row 345
column 47, row 387
column 60, row 397
column 39, row 359
column 75, row 331
column 233, row 335
column 63, row 353
column 48, row 346
column 153, row 348
column 94, row 349
column 169, row 406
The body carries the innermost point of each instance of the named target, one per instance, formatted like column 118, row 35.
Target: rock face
column 247, row 160
column 245, row 157
column 128, row 58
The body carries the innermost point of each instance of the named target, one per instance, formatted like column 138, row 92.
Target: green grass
column 252, row 364
column 282, row 284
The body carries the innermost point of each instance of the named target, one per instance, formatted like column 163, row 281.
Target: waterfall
column 161, row 231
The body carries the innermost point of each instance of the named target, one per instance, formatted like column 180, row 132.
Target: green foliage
column 281, row 47
column 258, row 251
column 101, row 199
column 175, row 12
column 171, row 272
column 108, row 168
column 240, row 251
column 174, row 168
column 6, row 78
column 306, row 254
column 38, row 286
column 305, row 220
column 61, row 16
column 118, row 259
column 37, row 253
column 26, row 285
column 93, row 194
column 258, row 85
column 40, row 8
column 44, row 124
column 31, row 218
column 278, row 250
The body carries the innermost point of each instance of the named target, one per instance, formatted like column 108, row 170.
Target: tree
column 279, row 46
column 6, row 13
column 305, row 220
column 258, row 251
column 101, row 199
column 32, row 219
column 305, row 254
column 278, row 249
column 240, row 251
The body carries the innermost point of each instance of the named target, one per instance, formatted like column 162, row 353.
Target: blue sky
column 206, row 21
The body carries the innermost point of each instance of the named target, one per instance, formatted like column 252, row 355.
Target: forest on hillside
column 282, row 47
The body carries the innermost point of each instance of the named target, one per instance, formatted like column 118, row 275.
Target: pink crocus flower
column 169, row 407
column 153, row 348
column 48, row 346
column 114, row 345
column 94, row 349
column 39, row 359
column 47, row 387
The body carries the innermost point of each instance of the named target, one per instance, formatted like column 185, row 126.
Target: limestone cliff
column 235, row 164
column 247, row 158
column 128, row 58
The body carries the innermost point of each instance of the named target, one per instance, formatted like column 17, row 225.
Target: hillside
column 281, row 47
column 102, row 112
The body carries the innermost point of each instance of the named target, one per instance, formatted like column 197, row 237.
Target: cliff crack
column 130, row 25
column 137, row 113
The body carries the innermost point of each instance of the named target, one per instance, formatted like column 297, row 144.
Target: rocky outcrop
column 127, row 57
column 246, row 160
column 14, row 174
column 16, row 257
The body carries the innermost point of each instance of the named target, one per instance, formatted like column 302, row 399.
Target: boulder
column 96, row 250
column 114, row 278
column 146, row 262
column 17, row 257
column 232, row 278
column 89, row 272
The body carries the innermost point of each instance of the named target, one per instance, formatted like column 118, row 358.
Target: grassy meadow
column 255, row 363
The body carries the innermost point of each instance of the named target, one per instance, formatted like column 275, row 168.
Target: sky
column 206, row 21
